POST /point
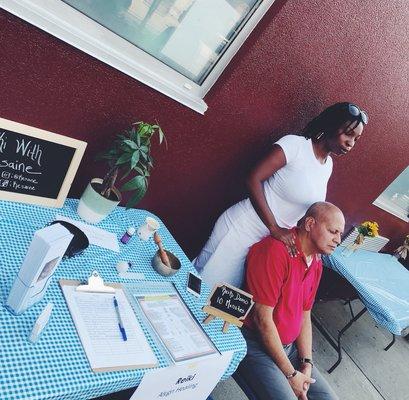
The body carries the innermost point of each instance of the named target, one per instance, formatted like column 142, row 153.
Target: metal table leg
column 350, row 308
column 391, row 343
column 337, row 345
column 324, row 331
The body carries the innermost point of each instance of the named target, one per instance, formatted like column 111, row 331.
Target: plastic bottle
column 127, row 235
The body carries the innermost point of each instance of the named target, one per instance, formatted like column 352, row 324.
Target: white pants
column 223, row 257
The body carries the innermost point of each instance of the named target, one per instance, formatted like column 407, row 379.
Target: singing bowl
column 162, row 268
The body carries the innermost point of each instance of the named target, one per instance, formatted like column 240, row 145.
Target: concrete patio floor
column 367, row 371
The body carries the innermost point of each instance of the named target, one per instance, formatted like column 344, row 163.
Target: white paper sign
column 194, row 380
column 97, row 236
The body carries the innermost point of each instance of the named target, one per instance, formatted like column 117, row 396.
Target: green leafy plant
column 130, row 155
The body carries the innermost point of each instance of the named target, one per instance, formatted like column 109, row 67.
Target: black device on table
column 194, row 284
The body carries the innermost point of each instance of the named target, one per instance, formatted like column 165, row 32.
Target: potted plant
column 130, row 156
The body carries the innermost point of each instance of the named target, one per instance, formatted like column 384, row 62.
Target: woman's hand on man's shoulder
column 287, row 237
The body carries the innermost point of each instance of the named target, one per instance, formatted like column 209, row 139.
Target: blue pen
column 120, row 323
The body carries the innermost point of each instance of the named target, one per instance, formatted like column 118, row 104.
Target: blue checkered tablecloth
column 56, row 366
column 381, row 282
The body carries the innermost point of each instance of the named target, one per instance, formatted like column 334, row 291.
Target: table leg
column 350, row 307
column 324, row 331
column 391, row 343
column 331, row 341
column 341, row 332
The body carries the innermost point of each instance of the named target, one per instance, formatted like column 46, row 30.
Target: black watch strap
column 304, row 360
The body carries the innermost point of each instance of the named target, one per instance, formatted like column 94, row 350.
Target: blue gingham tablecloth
column 56, row 366
column 381, row 282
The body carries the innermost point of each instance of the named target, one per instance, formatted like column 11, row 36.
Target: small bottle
column 127, row 235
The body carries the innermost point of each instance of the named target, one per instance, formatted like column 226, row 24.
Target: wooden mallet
column 162, row 253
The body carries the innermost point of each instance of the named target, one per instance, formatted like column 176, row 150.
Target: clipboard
column 96, row 321
column 170, row 322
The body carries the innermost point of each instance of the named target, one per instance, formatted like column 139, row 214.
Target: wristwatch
column 304, row 360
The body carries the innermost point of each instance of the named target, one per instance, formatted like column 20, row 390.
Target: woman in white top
column 282, row 186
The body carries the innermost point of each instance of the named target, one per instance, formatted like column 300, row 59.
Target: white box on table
column 43, row 256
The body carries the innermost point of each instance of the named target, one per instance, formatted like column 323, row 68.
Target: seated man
column 278, row 364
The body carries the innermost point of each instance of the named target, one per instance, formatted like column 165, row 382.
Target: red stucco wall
column 303, row 56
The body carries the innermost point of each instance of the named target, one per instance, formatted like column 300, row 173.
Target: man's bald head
column 323, row 225
column 323, row 210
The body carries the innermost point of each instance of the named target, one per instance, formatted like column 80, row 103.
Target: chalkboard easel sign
column 36, row 166
column 228, row 303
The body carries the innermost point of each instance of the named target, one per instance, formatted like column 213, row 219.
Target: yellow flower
column 370, row 228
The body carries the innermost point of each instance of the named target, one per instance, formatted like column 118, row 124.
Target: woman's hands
column 287, row 237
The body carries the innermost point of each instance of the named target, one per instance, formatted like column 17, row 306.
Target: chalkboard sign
column 229, row 303
column 36, row 166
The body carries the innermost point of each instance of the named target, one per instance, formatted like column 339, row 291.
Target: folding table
column 381, row 282
column 56, row 366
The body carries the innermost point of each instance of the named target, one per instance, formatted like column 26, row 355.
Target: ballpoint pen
column 120, row 323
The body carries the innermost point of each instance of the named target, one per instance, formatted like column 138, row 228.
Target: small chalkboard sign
column 228, row 303
column 36, row 166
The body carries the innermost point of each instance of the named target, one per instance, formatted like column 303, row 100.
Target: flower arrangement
column 365, row 229
column 402, row 251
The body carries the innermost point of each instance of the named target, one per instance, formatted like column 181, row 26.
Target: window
column 178, row 47
column 395, row 198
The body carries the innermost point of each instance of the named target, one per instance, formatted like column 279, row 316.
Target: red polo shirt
column 286, row 283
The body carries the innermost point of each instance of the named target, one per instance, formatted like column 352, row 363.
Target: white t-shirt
column 289, row 192
column 300, row 183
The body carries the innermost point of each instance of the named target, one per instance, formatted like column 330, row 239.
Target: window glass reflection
column 187, row 35
column 395, row 198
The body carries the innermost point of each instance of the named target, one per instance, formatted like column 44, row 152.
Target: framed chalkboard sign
column 36, row 166
column 228, row 303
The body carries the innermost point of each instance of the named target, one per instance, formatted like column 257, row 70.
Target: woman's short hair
column 330, row 120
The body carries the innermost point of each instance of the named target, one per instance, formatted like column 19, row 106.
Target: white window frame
column 73, row 27
column 389, row 206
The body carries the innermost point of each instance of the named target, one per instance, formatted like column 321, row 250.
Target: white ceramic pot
column 93, row 207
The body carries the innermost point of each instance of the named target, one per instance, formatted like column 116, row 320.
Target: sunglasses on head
column 359, row 114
